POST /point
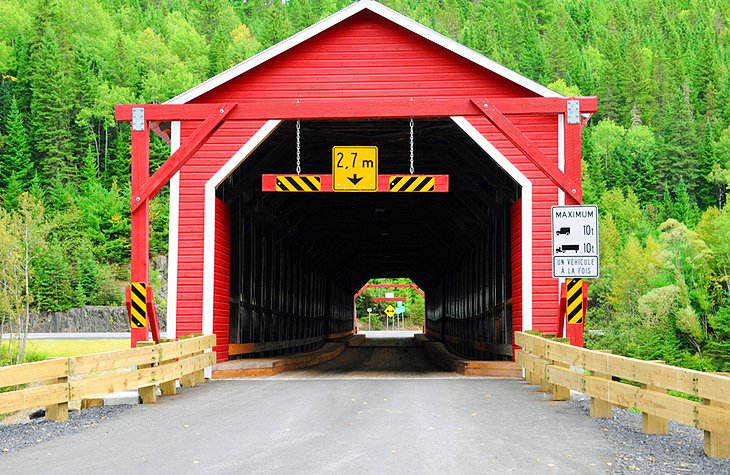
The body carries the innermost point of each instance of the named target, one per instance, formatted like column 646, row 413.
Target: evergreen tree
column 87, row 275
column 683, row 210
column 16, row 167
column 679, row 162
column 51, row 108
column 51, row 283
column 705, row 186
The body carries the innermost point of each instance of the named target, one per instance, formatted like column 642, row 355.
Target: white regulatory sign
column 575, row 241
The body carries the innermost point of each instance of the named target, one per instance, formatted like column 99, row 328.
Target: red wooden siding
column 207, row 161
column 365, row 56
column 543, row 131
column 516, row 250
column 222, row 281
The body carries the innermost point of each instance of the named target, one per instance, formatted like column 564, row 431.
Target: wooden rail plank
column 247, row 348
column 622, row 394
column 33, row 397
column 86, row 381
column 704, row 385
column 496, row 348
column 31, row 372
column 142, row 377
column 97, row 362
column 185, row 347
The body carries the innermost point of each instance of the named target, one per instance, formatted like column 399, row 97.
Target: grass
column 38, row 350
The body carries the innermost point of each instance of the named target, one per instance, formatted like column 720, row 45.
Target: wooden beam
column 527, row 147
column 172, row 165
column 268, row 182
column 311, row 109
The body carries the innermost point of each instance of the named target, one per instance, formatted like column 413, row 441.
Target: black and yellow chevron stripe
column 412, row 183
column 138, row 305
column 298, row 183
column 574, row 300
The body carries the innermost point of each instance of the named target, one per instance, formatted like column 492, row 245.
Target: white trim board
column 561, row 193
column 209, row 223
column 173, row 234
column 344, row 14
column 526, row 185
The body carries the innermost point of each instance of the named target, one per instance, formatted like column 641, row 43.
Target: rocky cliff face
column 85, row 320
column 91, row 319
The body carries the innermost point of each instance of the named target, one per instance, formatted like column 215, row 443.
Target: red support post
column 140, row 216
column 573, row 135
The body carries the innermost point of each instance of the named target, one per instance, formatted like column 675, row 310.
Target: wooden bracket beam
column 352, row 108
column 172, row 165
column 531, row 151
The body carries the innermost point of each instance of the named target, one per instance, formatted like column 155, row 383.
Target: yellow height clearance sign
column 355, row 168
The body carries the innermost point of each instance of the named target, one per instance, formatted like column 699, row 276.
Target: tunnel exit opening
column 295, row 260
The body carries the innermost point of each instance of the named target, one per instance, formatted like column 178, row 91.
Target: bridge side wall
column 543, row 131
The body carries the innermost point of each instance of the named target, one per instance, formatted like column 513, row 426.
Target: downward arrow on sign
column 354, row 179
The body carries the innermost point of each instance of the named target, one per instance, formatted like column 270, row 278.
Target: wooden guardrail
column 54, row 383
column 641, row 385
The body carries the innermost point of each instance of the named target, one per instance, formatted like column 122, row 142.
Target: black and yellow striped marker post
column 574, row 301
column 412, row 183
column 138, row 305
column 298, row 183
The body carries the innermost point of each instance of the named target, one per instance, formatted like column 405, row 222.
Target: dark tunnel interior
column 297, row 259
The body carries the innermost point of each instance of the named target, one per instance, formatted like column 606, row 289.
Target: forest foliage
column 656, row 155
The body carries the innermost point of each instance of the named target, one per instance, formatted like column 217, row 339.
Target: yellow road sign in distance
column 389, row 310
column 355, row 168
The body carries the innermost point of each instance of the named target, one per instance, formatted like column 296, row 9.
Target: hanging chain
column 411, row 124
column 299, row 161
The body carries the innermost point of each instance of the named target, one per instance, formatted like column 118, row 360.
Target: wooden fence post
column 599, row 407
column 148, row 394
column 651, row 424
column 196, row 377
column 560, row 393
column 168, row 388
column 717, row 442
column 59, row 412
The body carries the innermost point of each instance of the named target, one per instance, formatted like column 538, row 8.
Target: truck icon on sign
column 565, row 231
column 567, row 247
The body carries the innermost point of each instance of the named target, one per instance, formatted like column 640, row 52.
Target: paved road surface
column 439, row 423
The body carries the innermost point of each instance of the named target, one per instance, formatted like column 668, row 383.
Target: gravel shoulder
column 680, row 451
column 20, row 435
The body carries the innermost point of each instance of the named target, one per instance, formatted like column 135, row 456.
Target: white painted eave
column 339, row 17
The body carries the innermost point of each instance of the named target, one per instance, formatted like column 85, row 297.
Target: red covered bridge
column 275, row 272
